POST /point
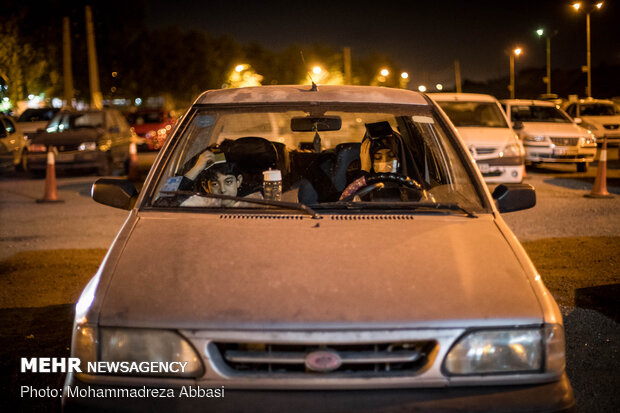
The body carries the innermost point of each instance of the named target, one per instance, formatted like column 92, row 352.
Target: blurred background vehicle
column 12, row 143
column 549, row 134
column 91, row 139
column 34, row 119
column 600, row 116
column 483, row 125
column 153, row 125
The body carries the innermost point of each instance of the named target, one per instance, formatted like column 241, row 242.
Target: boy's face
column 225, row 185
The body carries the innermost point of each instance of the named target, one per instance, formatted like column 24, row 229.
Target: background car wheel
column 582, row 167
column 105, row 167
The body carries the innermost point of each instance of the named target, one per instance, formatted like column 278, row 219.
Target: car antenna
column 314, row 86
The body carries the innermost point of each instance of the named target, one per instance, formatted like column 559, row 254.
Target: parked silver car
column 317, row 249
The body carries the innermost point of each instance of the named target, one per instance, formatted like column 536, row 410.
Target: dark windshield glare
column 480, row 114
column 230, row 157
column 598, row 109
column 531, row 113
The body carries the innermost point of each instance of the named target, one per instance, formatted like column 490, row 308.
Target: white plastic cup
column 272, row 184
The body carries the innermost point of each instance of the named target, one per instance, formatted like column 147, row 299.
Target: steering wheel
column 377, row 181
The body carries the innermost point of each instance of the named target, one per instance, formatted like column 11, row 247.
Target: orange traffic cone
column 50, row 179
column 133, row 173
column 599, row 189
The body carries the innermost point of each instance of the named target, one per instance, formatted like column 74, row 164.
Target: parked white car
column 549, row 134
column 484, row 127
column 601, row 117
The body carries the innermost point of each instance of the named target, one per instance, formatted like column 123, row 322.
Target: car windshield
column 65, row 121
column 37, row 115
column 598, row 109
column 480, row 114
column 142, row 118
column 319, row 155
column 532, row 113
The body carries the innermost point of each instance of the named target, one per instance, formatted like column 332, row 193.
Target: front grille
column 361, row 360
column 484, row 150
column 547, row 155
column 565, row 141
column 611, row 127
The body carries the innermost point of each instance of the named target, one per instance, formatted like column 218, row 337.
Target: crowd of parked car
column 502, row 136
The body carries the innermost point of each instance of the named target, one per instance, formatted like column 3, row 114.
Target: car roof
column 587, row 101
column 461, row 97
column 303, row 93
column 527, row 102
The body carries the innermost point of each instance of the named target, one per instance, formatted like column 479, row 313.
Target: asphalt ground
column 568, row 236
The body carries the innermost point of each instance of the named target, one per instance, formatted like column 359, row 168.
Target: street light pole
column 577, row 6
column 548, row 64
column 512, row 76
column 589, row 61
column 513, row 53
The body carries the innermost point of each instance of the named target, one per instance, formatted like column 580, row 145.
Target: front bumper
column 540, row 398
column 67, row 160
column 563, row 154
column 501, row 170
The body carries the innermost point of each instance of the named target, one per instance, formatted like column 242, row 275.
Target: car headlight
column 589, row 140
column 534, row 138
column 87, row 146
column 508, row 351
column 513, row 149
column 144, row 345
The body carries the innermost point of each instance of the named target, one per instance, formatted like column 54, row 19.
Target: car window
column 141, row 118
column 480, row 114
column 65, row 121
column 533, row 113
column 37, row 115
column 10, row 126
column 598, row 109
column 317, row 167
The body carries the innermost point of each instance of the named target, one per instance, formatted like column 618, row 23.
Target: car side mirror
column 578, row 121
column 115, row 192
column 517, row 125
column 514, row 197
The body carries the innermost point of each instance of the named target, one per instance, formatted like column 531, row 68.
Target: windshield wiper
column 287, row 205
column 396, row 206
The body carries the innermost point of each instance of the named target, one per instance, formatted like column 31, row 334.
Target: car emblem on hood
column 323, row 361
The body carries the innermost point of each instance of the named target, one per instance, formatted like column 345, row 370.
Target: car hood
column 553, row 129
column 492, row 137
column 613, row 119
column 68, row 137
column 234, row 271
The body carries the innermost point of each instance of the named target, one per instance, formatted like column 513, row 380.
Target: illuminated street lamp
column 385, row 72
column 439, row 86
column 422, row 88
column 239, row 68
column 513, row 53
column 404, row 79
column 317, row 70
column 577, row 7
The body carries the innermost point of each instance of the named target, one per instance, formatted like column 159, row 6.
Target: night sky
column 424, row 36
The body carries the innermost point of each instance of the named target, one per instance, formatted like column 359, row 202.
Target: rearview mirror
column 115, row 192
column 312, row 124
column 514, row 197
